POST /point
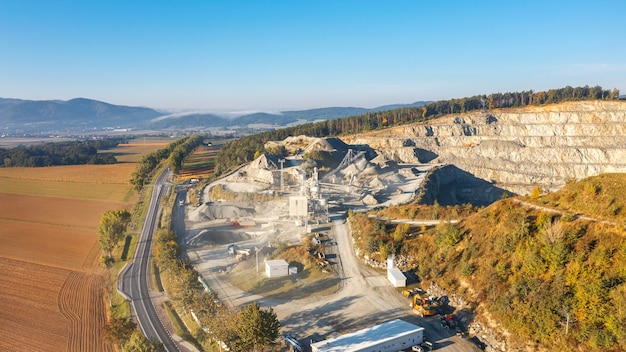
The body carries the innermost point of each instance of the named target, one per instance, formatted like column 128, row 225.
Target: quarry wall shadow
column 449, row 185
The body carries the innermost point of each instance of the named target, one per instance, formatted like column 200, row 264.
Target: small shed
column 276, row 268
column 396, row 277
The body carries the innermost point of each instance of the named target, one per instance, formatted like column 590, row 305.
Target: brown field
column 132, row 152
column 90, row 174
column 51, row 287
column 97, row 182
column 64, row 247
column 55, row 211
column 14, row 142
column 41, row 306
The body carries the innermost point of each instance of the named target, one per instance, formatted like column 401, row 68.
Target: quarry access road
column 414, row 222
column 561, row 212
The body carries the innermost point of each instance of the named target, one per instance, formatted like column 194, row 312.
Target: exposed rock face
column 449, row 185
column 516, row 149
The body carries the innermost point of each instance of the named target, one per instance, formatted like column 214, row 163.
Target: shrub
column 535, row 193
column 447, row 235
column 467, row 268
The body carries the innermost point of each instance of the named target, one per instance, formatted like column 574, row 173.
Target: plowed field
column 51, row 290
column 81, row 301
column 51, row 231
column 43, row 308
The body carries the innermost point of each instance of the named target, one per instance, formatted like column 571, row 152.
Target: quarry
column 516, row 149
column 476, row 158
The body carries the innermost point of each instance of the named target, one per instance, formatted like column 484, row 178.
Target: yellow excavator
column 420, row 302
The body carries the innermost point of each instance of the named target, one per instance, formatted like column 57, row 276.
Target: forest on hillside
column 549, row 279
column 245, row 149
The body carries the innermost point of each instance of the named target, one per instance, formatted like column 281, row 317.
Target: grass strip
column 180, row 327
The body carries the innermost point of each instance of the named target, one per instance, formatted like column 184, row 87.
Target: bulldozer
column 420, row 302
column 423, row 306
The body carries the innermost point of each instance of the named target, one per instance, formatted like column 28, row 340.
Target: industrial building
column 393, row 335
column 276, row 268
column 396, row 277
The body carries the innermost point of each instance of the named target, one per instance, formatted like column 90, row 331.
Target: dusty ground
column 363, row 296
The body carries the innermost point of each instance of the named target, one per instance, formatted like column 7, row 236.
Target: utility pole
column 256, row 252
column 282, row 188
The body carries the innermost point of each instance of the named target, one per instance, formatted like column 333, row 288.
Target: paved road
column 134, row 279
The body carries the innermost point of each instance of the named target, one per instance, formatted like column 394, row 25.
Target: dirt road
column 365, row 298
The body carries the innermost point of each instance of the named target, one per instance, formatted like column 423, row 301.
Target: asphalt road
column 134, row 279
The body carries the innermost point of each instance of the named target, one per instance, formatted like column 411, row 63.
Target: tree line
column 59, row 153
column 175, row 153
column 181, row 151
column 250, row 328
column 243, row 150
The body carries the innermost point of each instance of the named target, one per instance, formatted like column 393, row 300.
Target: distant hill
column 189, row 121
column 75, row 114
column 284, row 118
column 81, row 114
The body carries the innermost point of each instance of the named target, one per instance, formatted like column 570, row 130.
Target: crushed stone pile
column 320, row 144
column 214, row 211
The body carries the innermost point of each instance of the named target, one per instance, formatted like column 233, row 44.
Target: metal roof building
column 393, row 335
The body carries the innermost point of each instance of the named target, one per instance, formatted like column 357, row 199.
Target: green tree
column 447, row 235
column 175, row 160
column 139, row 343
column 184, row 286
column 166, row 250
column 111, row 230
column 398, row 234
column 119, row 330
column 221, row 325
column 205, row 306
column 256, row 328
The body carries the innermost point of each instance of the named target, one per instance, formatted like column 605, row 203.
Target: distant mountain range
column 30, row 116
column 76, row 114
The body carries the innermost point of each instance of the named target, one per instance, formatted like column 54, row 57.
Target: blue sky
column 279, row 55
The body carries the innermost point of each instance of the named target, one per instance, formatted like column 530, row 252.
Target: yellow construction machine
column 420, row 302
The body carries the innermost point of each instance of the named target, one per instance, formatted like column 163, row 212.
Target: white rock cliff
column 516, row 149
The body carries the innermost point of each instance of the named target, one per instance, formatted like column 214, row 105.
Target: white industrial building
column 394, row 275
column 393, row 335
column 276, row 268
